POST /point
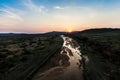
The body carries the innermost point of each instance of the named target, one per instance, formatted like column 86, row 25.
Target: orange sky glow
column 31, row 16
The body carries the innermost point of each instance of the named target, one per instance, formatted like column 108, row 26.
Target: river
column 64, row 65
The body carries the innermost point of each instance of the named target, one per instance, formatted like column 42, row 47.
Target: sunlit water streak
column 73, row 71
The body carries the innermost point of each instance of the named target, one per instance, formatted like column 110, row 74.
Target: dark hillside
column 98, row 30
column 102, row 47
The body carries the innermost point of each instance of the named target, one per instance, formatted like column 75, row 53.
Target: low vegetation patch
column 103, row 51
column 21, row 56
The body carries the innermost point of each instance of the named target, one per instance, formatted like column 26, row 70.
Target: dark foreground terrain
column 102, row 48
column 22, row 55
column 87, row 55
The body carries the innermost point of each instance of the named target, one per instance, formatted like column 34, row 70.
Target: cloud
column 11, row 13
column 33, row 7
column 58, row 7
column 10, row 17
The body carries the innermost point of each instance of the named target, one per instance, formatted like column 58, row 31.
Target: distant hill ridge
column 56, row 33
column 100, row 30
column 90, row 31
column 19, row 34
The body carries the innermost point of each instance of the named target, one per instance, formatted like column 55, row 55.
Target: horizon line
column 50, row 31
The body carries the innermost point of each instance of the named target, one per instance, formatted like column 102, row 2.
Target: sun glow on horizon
column 69, row 30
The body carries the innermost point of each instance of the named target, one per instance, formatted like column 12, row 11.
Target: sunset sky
column 38, row 16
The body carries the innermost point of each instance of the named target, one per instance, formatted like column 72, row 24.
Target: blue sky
column 61, row 15
column 17, row 3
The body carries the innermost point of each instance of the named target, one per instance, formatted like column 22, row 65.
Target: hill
column 99, row 30
column 56, row 33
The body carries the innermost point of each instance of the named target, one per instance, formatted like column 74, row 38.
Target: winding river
column 65, row 65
